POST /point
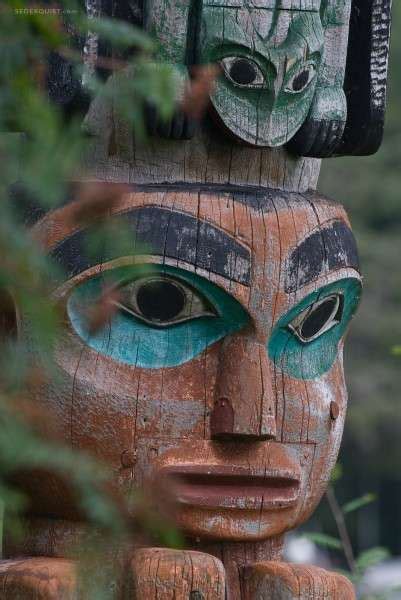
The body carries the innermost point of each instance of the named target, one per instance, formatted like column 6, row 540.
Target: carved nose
column 244, row 407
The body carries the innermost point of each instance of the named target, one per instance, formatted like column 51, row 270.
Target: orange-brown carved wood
column 219, row 374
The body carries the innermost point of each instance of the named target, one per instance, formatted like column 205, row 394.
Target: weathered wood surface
column 233, row 391
column 37, row 579
column 162, row 574
column 283, row 437
column 341, row 77
column 366, row 76
column 281, row 581
column 157, row 573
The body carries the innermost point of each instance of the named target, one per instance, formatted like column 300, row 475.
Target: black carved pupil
column 243, row 72
column 300, row 81
column 160, row 300
column 318, row 318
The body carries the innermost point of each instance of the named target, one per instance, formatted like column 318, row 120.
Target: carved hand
column 284, row 581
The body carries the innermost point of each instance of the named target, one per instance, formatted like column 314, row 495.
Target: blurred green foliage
column 47, row 155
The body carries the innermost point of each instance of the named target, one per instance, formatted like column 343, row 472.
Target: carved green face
column 270, row 61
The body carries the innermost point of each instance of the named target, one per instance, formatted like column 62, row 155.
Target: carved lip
column 233, row 487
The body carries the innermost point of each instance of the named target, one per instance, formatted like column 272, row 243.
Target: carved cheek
column 305, row 408
column 111, row 407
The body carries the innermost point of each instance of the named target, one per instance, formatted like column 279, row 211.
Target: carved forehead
column 264, row 30
column 299, row 5
column 226, row 234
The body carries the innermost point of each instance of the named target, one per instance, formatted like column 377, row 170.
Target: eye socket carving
column 318, row 318
column 161, row 301
column 301, row 79
column 243, row 72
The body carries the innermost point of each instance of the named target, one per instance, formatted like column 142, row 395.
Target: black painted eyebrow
column 327, row 249
column 166, row 233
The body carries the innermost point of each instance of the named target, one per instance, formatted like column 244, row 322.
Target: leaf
column 358, row 503
column 396, row 350
column 326, row 541
column 197, row 94
column 103, row 310
column 371, row 557
column 95, row 199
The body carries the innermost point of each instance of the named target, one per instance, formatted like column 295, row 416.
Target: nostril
column 222, row 418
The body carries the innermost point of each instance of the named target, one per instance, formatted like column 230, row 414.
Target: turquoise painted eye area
column 163, row 316
column 304, row 342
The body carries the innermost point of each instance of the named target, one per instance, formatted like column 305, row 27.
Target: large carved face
column 270, row 60
column 222, row 367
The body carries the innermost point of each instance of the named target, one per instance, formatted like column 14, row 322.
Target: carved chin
column 259, row 127
column 232, row 525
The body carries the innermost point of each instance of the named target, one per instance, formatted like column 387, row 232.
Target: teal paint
column 312, row 359
column 131, row 341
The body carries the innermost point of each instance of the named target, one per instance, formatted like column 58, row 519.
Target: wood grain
column 283, row 581
column 162, row 574
column 37, row 579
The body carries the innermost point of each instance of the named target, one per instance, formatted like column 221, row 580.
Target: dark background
column 369, row 188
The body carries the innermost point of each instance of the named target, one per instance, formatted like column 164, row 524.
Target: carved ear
column 365, row 86
column 323, row 129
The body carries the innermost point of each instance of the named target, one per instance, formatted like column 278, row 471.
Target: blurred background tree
column 369, row 188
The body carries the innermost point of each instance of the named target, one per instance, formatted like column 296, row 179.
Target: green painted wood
column 283, row 62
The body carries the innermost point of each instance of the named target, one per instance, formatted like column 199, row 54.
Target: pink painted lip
column 233, row 487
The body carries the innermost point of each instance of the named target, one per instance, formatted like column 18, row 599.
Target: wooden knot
column 128, row 459
column 334, row 411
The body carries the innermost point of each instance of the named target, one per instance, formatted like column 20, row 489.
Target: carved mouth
column 241, row 488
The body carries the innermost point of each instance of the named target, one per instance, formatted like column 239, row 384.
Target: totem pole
column 222, row 369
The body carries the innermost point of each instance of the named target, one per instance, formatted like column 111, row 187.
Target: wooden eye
column 162, row 301
column 318, row 318
column 243, row 72
column 302, row 78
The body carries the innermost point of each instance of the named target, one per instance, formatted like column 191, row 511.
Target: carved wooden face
column 222, row 367
column 270, row 60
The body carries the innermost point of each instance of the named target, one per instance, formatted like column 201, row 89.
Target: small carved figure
column 277, row 68
column 284, row 65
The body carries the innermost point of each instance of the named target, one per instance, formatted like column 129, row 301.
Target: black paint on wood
column 327, row 249
column 164, row 233
column 29, row 210
column 366, row 77
column 365, row 88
